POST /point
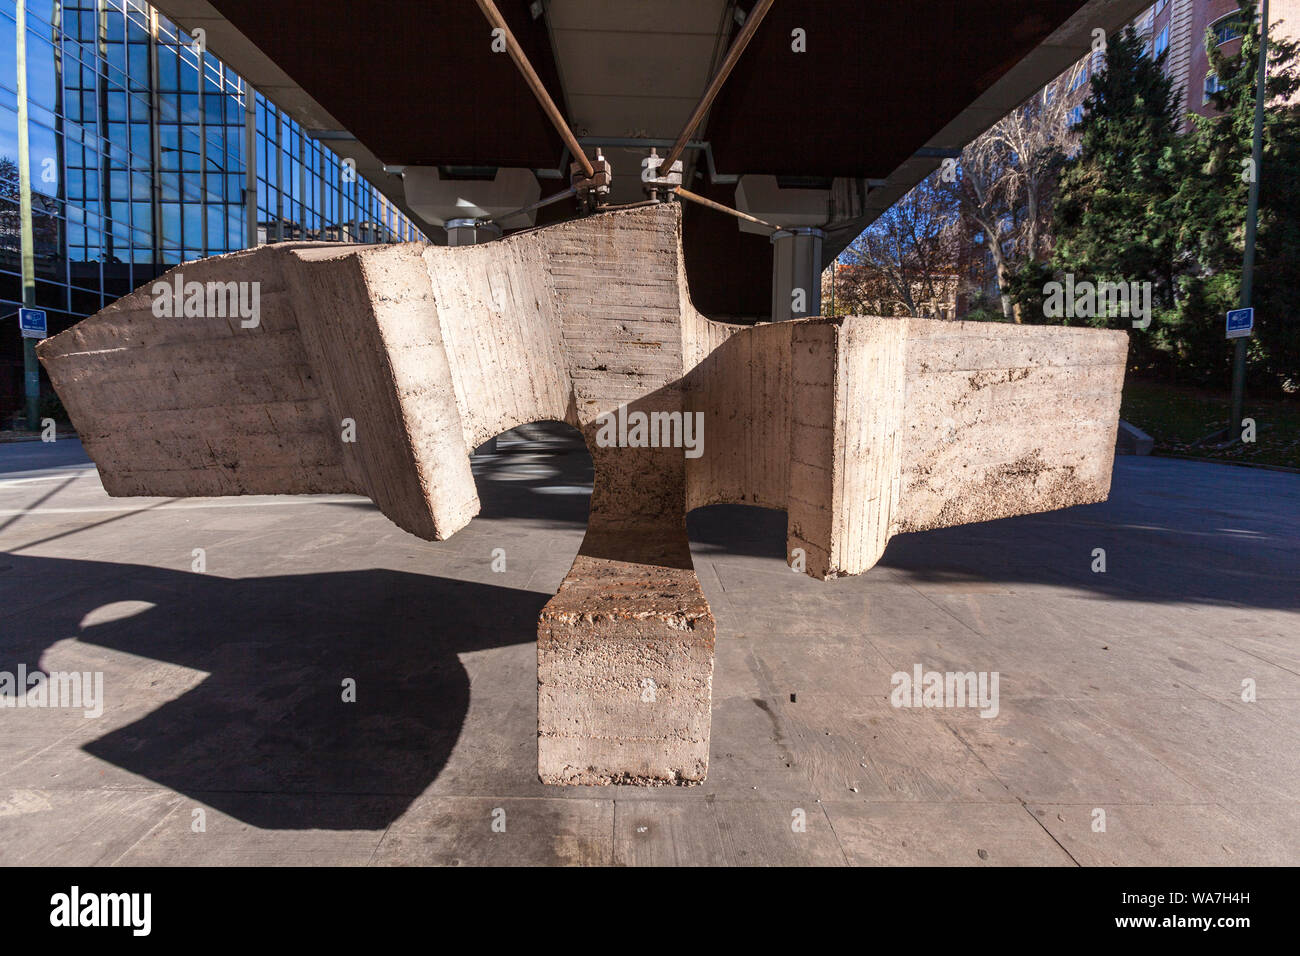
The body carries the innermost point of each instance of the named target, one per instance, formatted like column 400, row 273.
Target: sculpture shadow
column 1166, row 563
column 1172, row 531
column 269, row 719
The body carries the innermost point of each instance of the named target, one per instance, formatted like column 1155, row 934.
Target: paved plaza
column 1120, row 736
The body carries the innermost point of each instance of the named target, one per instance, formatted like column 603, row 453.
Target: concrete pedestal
column 625, row 665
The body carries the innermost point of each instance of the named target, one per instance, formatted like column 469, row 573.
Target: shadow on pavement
column 269, row 718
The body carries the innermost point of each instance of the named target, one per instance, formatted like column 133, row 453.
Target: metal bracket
column 657, row 186
column 591, row 190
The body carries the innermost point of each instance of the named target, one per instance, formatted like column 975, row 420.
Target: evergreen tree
column 1116, row 196
column 1210, row 213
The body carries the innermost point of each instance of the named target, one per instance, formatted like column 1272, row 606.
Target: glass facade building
column 145, row 151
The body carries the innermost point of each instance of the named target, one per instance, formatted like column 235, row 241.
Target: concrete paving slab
column 942, row 834
column 882, row 753
column 1232, row 753
column 668, row 834
column 1166, row 835
column 962, row 651
column 83, row 827
column 793, row 832
column 834, row 609
column 198, row 833
column 455, row 831
column 1087, row 648
column 1051, row 750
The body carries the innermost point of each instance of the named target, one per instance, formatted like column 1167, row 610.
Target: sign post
column 1252, row 220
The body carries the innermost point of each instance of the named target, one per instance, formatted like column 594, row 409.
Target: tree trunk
column 1009, row 310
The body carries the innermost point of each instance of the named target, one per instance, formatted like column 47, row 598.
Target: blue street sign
column 1240, row 322
column 32, row 323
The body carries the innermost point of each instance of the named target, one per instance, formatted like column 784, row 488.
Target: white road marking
column 292, row 500
column 6, row 482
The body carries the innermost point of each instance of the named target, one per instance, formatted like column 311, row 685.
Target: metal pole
column 728, row 63
column 155, row 147
column 250, row 165
column 280, row 184
column 1252, row 221
column 31, row 368
column 540, row 204
column 719, row 207
column 203, row 157
column 535, row 84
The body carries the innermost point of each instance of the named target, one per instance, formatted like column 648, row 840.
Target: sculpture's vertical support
column 625, row 664
column 625, row 649
column 848, row 389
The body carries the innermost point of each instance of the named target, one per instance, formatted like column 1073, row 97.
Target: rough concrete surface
column 374, row 370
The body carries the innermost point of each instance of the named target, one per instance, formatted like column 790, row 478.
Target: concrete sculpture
column 859, row 428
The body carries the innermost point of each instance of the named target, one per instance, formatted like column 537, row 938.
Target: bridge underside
column 851, row 103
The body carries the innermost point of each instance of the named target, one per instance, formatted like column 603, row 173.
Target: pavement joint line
column 1250, row 653
column 831, row 823
column 702, row 796
column 983, row 637
column 148, row 833
column 1049, row 833
column 952, row 729
column 374, row 850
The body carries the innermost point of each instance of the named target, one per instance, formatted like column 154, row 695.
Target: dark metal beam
column 535, row 84
column 715, row 85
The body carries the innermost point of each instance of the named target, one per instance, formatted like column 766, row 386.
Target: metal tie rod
column 728, row 63
column 535, row 84
column 571, row 191
column 719, row 207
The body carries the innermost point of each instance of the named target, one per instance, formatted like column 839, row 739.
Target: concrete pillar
column 798, row 213
column 796, row 273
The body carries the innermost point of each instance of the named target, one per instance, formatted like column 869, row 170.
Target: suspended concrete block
column 315, row 368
